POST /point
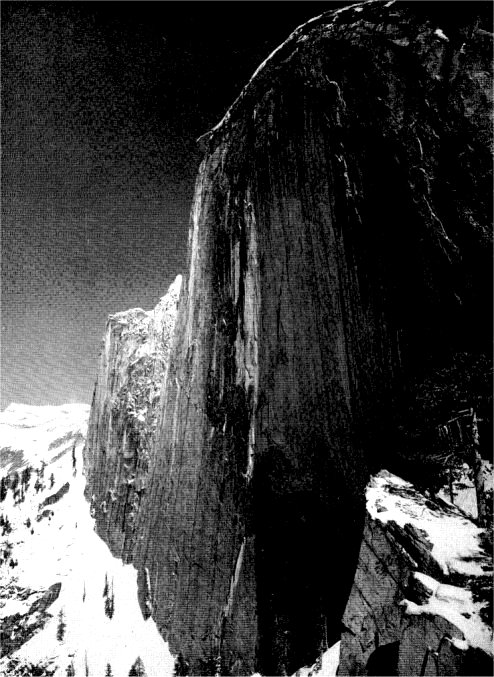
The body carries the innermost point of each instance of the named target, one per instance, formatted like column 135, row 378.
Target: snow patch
column 454, row 538
column 456, row 605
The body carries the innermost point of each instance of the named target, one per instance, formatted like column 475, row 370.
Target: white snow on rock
column 456, row 546
column 457, row 606
column 65, row 548
column 454, row 538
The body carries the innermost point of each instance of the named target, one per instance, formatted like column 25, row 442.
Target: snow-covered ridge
column 27, row 415
column 31, row 434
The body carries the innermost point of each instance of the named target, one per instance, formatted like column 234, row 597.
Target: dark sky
column 102, row 103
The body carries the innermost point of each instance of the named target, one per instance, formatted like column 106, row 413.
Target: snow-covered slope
column 29, row 435
column 64, row 600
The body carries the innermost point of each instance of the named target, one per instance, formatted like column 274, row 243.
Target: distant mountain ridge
column 29, row 434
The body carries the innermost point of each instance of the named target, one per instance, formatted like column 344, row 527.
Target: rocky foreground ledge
column 422, row 594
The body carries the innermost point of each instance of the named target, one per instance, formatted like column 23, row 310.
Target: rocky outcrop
column 421, row 602
column 124, row 415
column 339, row 246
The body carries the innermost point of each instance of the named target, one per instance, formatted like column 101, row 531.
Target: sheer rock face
column 339, row 242
column 338, row 239
column 424, row 579
column 124, row 415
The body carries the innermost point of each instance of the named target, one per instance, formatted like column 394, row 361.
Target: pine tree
column 26, row 475
column 137, row 670
column 61, row 626
column 6, row 526
column 15, row 482
column 109, row 601
column 3, row 489
column 108, row 672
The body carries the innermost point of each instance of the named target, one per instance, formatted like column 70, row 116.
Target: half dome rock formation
column 124, row 416
column 339, row 250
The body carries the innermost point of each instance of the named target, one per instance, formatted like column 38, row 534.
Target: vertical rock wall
column 123, row 418
column 338, row 241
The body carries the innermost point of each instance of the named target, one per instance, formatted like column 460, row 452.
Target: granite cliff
column 339, row 250
column 124, row 414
